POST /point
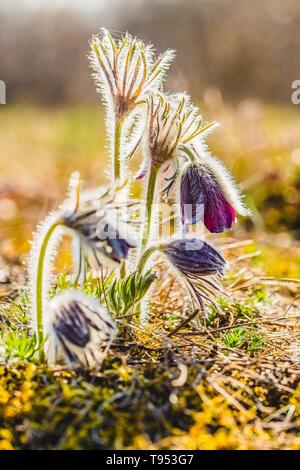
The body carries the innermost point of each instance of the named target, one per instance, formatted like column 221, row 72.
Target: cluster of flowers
column 129, row 76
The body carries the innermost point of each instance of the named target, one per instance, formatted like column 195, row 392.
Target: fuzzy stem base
column 39, row 281
column 143, row 307
column 118, row 171
column 150, row 199
column 117, row 150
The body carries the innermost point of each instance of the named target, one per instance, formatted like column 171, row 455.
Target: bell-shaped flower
column 197, row 264
column 78, row 329
column 208, row 193
column 100, row 223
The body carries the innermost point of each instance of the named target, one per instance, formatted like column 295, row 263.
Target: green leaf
column 123, row 294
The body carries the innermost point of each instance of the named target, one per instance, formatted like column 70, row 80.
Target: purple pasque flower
column 98, row 220
column 79, row 330
column 202, row 198
column 196, row 260
column 112, row 243
column 101, row 237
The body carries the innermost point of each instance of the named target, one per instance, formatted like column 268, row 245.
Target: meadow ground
column 233, row 383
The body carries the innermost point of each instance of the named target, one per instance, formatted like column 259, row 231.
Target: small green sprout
column 15, row 345
column 241, row 338
column 123, row 294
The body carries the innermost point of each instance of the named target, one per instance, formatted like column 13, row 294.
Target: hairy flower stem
column 117, row 149
column 39, row 282
column 142, row 309
column 150, row 193
column 117, row 171
column 79, row 261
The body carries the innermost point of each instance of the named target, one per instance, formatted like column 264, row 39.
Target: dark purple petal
column 120, row 248
column 195, row 258
column 219, row 215
column 117, row 247
column 202, row 198
column 71, row 324
column 107, row 240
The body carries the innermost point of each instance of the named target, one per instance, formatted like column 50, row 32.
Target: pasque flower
column 93, row 218
column 202, row 196
column 79, row 330
column 208, row 193
column 173, row 122
column 98, row 221
column 194, row 262
column 126, row 72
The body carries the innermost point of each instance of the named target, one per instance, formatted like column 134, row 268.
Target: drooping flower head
column 79, row 330
column 99, row 222
column 203, row 198
column 196, row 262
column 93, row 218
column 208, row 193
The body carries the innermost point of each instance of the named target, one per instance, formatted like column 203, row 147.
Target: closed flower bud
column 173, row 122
column 79, row 330
column 208, row 191
column 126, row 70
column 195, row 261
column 202, row 198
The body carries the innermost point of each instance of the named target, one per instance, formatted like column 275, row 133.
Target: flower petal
column 195, row 261
column 79, row 330
column 120, row 248
column 219, row 215
column 194, row 257
column 202, row 198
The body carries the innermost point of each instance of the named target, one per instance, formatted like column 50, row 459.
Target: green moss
column 46, row 409
column 125, row 407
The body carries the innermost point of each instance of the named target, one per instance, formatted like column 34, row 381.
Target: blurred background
column 237, row 59
column 242, row 47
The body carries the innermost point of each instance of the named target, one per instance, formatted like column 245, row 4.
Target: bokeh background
column 237, row 59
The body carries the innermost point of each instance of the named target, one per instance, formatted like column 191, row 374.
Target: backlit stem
column 142, row 309
column 41, row 273
column 117, row 149
column 118, row 173
column 150, row 193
